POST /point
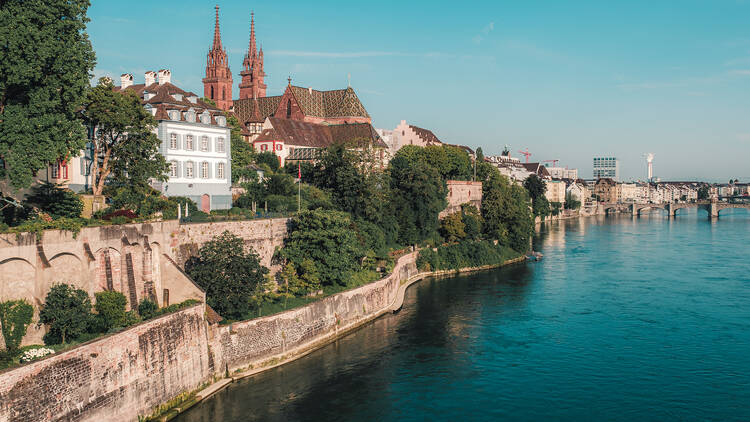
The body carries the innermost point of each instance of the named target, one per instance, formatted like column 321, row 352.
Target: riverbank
column 301, row 351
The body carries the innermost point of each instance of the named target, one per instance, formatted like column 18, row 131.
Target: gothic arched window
column 212, row 93
column 288, row 108
column 224, row 93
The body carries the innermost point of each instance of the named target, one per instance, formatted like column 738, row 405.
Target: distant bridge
column 712, row 208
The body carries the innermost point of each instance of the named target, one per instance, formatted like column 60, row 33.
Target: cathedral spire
column 217, row 33
column 251, row 51
column 217, row 85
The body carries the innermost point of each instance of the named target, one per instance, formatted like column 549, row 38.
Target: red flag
column 299, row 171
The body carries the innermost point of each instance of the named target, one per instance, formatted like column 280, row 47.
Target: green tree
column 472, row 219
column 505, row 212
column 229, row 275
column 67, row 312
column 535, row 186
column 268, row 158
column 125, row 143
column 571, row 202
column 337, row 172
column 56, row 200
column 15, row 317
column 452, row 227
column 328, row 239
column 110, row 309
column 703, row 193
column 555, row 208
column 418, row 195
column 242, row 152
column 45, row 61
column 148, row 309
column 541, row 207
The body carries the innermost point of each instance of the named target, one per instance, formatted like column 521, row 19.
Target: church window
column 212, row 93
column 223, row 93
column 288, row 108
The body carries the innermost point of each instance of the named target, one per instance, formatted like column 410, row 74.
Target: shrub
column 56, row 201
column 127, row 214
column 67, row 311
column 148, row 309
column 15, row 317
column 452, row 227
column 110, row 307
column 464, row 255
column 35, row 353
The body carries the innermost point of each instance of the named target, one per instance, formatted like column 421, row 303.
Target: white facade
column 629, row 192
column 563, row 173
column 578, row 192
column 555, row 191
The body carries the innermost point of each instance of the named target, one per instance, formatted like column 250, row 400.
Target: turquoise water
column 623, row 320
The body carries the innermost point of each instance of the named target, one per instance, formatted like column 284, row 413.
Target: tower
column 252, row 85
column 217, row 85
column 650, row 164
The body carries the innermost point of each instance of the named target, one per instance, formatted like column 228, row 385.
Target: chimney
column 126, row 80
column 165, row 76
column 150, row 77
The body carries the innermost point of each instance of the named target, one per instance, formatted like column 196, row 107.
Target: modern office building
column 606, row 167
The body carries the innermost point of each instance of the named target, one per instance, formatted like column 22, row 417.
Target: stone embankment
column 130, row 374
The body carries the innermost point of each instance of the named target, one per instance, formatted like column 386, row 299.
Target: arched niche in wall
column 66, row 268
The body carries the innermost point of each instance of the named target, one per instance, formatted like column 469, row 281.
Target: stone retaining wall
column 117, row 377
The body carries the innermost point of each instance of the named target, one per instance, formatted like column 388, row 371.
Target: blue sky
column 568, row 80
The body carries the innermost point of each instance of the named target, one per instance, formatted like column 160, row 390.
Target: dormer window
column 177, row 97
column 147, row 95
column 221, row 120
column 205, row 118
column 193, row 99
column 190, row 116
column 174, row 115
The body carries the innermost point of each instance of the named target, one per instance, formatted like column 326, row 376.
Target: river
column 624, row 319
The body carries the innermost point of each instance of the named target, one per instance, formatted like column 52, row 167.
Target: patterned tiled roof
column 304, row 134
column 323, row 104
column 303, row 154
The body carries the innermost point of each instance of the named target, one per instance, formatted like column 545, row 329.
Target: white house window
column 189, row 142
column 219, row 144
column 204, row 143
column 204, row 170
column 264, row 147
column 55, row 171
column 189, row 169
column 173, row 168
column 172, row 141
column 220, row 171
column 278, row 147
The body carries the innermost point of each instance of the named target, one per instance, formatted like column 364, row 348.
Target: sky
column 568, row 80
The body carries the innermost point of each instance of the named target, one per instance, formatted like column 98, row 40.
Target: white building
column 195, row 141
column 578, row 192
column 555, row 191
column 563, row 173
column 606, row 167
column 629, row 192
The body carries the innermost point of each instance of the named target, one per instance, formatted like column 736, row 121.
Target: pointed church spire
column 217, row 34
column 251, row 51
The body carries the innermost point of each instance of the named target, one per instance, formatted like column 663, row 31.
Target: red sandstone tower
column 252, row 85
column 217, row 85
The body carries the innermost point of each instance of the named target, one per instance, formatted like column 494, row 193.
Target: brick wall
column 117, row 377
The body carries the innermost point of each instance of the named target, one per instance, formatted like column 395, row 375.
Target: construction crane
column 526, row 154
column 554, row 162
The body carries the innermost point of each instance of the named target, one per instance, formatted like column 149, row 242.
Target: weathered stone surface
column 117, row 377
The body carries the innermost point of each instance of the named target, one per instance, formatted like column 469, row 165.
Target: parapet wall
column 118, row 377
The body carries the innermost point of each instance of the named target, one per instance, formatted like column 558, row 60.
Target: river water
column 623, row 320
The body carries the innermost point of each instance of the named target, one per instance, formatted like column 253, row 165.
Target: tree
column 229, row 275
column 505, row 212
column 148, row 309
column 110, row 307
column 418, row 195
column 67, row 311
column 703, row 193
column 555, row 208
column 472, row 220
column 535, row 185
column 328, row 239
column 336, row 172
column 452, row 227
column 480, row 155
column 541, row 207
column 125, row 144
column 15, row 317
column 571, row 202
column 268, row 158
column 45, row 61
column 55, row 200
column 242, row 152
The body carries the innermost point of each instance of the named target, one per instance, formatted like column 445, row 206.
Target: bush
column 110, row 307
column 56, row 201
column 464, row 255
column 67, row 311
column 127, row 215
column 15, row 317
column 148, row 309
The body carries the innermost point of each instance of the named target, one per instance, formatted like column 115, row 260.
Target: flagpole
column 299, row 187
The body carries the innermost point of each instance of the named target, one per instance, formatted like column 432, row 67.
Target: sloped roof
column 323, row 104
column 168, row 96
column 426, row 135
column 303, row 134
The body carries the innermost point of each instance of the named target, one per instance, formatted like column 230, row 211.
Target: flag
column 299, row 171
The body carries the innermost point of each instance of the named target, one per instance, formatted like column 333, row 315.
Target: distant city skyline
column 568, row 81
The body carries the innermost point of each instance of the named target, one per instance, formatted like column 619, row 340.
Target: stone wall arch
column 66, row 268
column 17, row 280
column 108, row 273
